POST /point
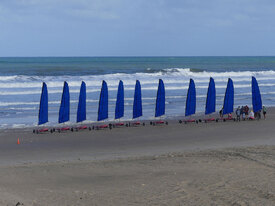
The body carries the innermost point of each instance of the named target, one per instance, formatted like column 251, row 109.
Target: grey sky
column 137, row 27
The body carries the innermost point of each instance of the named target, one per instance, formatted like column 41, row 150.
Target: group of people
column 244, row 114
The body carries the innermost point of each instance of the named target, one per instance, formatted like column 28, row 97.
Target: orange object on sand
column 18, row 142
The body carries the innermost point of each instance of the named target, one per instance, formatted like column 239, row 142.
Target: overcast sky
column 137, row 27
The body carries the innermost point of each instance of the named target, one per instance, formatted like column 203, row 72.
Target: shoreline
column 127, row 142
column 172, row 119
column 198, row 115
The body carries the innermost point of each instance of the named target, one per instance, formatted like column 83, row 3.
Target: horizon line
column 135, row 56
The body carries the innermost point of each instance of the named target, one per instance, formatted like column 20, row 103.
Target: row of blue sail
column 190, row 109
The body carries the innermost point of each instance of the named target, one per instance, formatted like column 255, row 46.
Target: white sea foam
column 22, row 108
column 17, row 103
column 167, row 87
column 175, row 75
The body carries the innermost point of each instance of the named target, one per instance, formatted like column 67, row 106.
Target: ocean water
column 21, row 81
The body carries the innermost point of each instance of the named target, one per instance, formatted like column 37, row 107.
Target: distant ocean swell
column 20, row 94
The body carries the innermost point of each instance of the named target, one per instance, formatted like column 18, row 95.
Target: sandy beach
column 225, row 163
column 121, row 103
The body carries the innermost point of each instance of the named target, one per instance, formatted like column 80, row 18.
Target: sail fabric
column 160, row 101
column 210, row 105
column 64, row 110
column 190, row 107
column 119, row 112
column 137, row 107
column 81, row 109
column 228, row 103
column 43, row 108
column 103, row 102
column 256, row 96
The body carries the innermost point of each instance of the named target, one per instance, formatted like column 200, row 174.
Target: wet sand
column 225, row 163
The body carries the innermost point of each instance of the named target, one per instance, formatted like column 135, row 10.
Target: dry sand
column 225, row 163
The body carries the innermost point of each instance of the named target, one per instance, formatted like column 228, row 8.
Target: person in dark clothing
column 238, row 113
column 246, row 110
column 242, row 112
column 221, row 113
column 264, row 111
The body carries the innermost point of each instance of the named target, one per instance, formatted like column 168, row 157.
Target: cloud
column 136, row 27
column 62, row 9
column 212, row 13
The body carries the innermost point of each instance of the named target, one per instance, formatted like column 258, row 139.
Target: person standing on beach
column 221, row 113
column 264, row 111
column 246, row 110
column 238, row 113
column 242, row 113
column 251, row 115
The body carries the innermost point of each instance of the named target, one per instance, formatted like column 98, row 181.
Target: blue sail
column 191, row 99
column 81, row 109
column 210, row 105
column 137, row 107
column 43, row 108
column 228, row 103
column 120, row 101
column 160, row 101
column 64, row 110
column 103, row 102
column 256, row 96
